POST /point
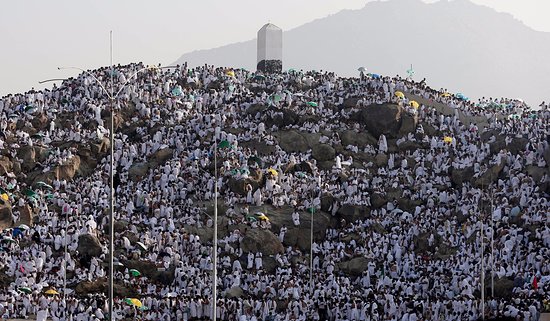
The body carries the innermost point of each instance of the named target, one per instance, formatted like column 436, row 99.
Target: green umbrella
column 37, row 136
column 30, row 108
column 30, row 193
column 135, row 273
column 141, row 246
column 49, row 196
column 311, row 210
column 259, row 77
column 25, row 290
column 312, row 104
column 252, row 219
column 43, row 184
column 8, row 239
column 23, row 227
column 255, row 159
column 224, row 144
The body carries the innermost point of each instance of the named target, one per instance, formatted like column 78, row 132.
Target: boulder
column 460, row 176
column 383, row 119
column 138, row 171
column 5, row 279
column 282, row 118
column 100, row 286
column 503, row 287
column 355, row 266
column 89, row 246
column 408, row 124
column 25, row 215
column 256, row 108
column 490, row 176
column 352, row 213
column 234, row 292
column 28, row 155
column 162, row 155
column 6, row 165
column 409, row 145
column 292, row 141
column 537, row 172
column 102, row 147
column 323, row 152
column 359, row 139
column 381, row 160
column 377, row 200
column 261, row 148
column 264, row 241
column 6, row 220
column 151, row 271
column 69, row 169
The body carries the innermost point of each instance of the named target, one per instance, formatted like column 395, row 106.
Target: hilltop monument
column 270, row 48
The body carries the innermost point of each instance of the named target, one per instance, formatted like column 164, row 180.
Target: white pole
column 65, row 262
column 112, row 203
column 492, row 249
column 215, row 249
column 482, row 273
column 311, row 245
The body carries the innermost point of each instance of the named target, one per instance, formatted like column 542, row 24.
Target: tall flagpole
column 112, row 202
column 215, row 245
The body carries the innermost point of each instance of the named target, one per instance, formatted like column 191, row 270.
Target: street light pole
column 215, row 245
column 112, row 195
column 112, row 96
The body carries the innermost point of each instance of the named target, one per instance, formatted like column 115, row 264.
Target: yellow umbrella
column 4, row 197
column 272, row 172
column 52, row 292
column 446, row 95
column 448, row 139
column 134, row 302
column 414, row 104
column 400, row 94
column 230, row 73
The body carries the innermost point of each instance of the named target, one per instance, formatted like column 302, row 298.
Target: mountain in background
column 456, row 45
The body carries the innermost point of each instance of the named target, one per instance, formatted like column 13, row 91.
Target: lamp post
column 112, row 96
column 215, row 245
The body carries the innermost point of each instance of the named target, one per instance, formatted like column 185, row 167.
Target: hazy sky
column 37, row 36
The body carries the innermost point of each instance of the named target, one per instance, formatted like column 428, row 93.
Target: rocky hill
column 398, row 193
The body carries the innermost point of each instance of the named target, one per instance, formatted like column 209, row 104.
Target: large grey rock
column 100, row 286
column 151, row 271
column 88, row 246
column 234, row 292
column 292, row 141
column 259, row 240
column 28, row 155
column 490, row 176
column 352, row 213
column 360, row 139
column 138, row 171
column 323, row 152
column 282, row 118
column 355, row 266
column 460, row 176
column 383, row 119
column 377, row 200
column 381, row 160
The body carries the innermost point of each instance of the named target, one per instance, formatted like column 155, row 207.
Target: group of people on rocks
column 181, row 133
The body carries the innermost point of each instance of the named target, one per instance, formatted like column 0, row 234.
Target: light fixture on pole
column 112, row 96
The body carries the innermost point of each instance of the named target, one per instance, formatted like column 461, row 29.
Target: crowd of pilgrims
column 192, row 110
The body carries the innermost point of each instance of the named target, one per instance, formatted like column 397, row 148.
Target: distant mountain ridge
column 456, row 44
